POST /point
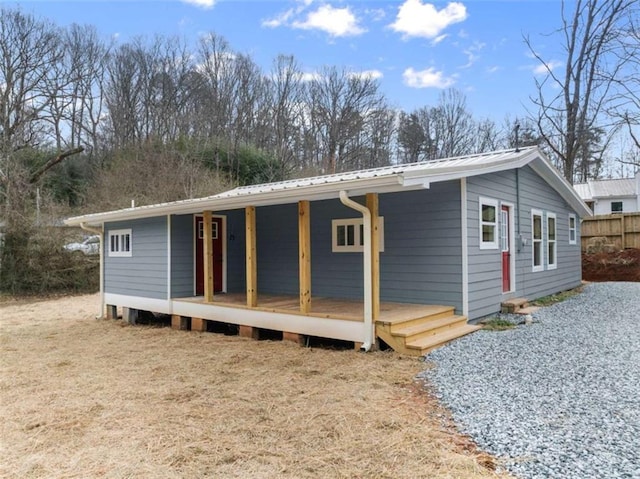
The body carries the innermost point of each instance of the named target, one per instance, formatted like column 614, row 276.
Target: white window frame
column 552, row 243
column 535, row 241
column 357, row 224
column 621, row 203
column 214, row 230
column 123, row 246
column 573, row 231
column 495, row 244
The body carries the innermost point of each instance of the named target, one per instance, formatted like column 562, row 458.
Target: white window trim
column 119, row 234
column 356, row 223
column 540, row 267
column 495, row 244
column 551, row 242
column 574, row 229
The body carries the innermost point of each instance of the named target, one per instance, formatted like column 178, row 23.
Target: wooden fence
column 621, row 229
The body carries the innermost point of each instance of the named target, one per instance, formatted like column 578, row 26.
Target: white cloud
column 472, row 53
column 206, row 4
column 417, row 19
column 493, row 69
column 429, row 78
column 337, row 22
column 279, row 20
column 373, row 74
column 542, row 68
column 438, row 39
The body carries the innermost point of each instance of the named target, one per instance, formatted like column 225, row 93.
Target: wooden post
column 182, row 323
column 249, row 332
column 372, row 204
column 251, row 259
column 199, row 324
column 207, row 256
column 304, row 250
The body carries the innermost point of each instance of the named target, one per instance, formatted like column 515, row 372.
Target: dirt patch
column 81, row 397
column 618, row 266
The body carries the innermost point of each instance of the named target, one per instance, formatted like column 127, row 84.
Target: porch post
column 304, row 250
column 251, row 259
column 207, row 256
column 372, row 204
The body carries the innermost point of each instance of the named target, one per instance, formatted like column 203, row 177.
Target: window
column 551, row 241
column 504, row 231
column 616, row 206
column 348, row 235
column 536, row 240
column 572, row 229
column 120, row 243
column 488, row 223
column 214, row 230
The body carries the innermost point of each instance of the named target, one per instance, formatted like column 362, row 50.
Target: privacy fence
column 621, row 229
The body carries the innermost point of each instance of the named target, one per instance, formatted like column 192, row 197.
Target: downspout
column 368, row 300
column 100, row 233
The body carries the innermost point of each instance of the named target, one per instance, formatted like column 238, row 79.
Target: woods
column 88, row 123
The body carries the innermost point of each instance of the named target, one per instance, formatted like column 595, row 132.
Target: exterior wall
column 182, row 256
column 144, row 273
column 182, row 253
column 485, row 266
column 603, row 206
column 421, row 262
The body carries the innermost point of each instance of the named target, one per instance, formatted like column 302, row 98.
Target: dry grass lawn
column 81, row 398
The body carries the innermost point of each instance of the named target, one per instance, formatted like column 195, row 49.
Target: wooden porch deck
column 328, row 308
column 412, row 329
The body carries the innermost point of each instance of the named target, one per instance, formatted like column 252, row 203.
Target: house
column 405, row 254
column 605, row 197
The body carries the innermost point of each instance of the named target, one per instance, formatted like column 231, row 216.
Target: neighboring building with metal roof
column 403, row 254
column 611, row 196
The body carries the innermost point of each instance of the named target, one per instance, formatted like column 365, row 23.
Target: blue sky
column 415, row 48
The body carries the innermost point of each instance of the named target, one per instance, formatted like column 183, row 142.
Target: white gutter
column 368, row 297
column 100, row 233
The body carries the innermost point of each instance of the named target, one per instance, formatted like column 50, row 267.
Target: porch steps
column 416, row 336
column 517, row 306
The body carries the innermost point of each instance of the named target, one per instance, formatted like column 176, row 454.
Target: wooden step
column 424, row 345
column 513, row 305
column 429, row 327
column 406, row 319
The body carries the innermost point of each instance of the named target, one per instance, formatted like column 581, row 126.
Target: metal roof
column 376, row 180
column 607, row 188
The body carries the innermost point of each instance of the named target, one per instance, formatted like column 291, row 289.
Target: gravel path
column 559, row 398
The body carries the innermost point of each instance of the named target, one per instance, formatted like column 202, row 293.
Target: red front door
column 217, row 236
column 505, row 244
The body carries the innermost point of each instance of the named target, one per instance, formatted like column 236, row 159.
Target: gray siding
column 144, row 274
column 485, row 266
column 182, row 256
column 236, row 267
column 277, row 249
column 422, row 260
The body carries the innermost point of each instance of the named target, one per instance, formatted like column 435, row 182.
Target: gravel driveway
column 556, row 399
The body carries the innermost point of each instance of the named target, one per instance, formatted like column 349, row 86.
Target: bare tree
column 570, row 103
column 339, row 102
column 30, row 82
